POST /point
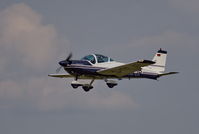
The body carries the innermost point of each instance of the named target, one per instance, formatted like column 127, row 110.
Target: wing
column 61, row 75
column 79, row 77
column 126, row 69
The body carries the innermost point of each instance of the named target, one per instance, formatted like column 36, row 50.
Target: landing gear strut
column 88, row 87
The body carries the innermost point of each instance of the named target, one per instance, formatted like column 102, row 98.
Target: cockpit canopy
column 97, row 58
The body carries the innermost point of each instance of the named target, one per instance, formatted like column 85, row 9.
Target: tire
column 87, row 88
column 74, row 86
column 110, row 85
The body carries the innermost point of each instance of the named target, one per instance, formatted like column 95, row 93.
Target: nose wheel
column 87, row 88
column 75, row 86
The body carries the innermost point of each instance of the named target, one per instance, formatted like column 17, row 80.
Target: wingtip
column 49, row 75
column 175, row 72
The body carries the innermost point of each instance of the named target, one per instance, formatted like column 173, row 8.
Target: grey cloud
column 53, row 95
column 167, row 38
column 50, row 95
column 190, row 6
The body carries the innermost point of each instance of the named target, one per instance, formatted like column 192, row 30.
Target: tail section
column 160, row 63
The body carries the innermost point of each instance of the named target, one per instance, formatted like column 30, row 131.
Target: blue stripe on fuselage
column 82, row 69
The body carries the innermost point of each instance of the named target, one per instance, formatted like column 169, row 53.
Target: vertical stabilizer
column 160, row 63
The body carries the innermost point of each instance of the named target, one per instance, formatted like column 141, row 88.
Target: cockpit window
column 111, row 59
column 90, row 58
column 101, row 58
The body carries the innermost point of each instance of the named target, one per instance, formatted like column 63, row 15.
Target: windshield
column 90, row 58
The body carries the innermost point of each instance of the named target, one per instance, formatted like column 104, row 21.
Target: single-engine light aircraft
column 99, row 67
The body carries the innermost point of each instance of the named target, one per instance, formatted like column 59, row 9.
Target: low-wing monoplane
column 99, row 67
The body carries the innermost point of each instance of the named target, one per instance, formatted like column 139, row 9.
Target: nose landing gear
column 87, row 88
column 75, row 84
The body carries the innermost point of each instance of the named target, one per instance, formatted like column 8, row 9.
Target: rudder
column 160, row 63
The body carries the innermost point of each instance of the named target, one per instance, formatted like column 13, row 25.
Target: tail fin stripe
column 162, row 51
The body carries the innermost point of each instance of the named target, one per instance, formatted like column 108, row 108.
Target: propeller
column 65, row 62
column 58, row 69
column 69, row 57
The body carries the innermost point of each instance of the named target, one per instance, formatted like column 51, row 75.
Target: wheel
column 111, row 85
column 87, row 88
column 74, row 86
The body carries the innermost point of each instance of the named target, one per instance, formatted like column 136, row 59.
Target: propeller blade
column 67, row 61
column 69, row 57
column 58, row 69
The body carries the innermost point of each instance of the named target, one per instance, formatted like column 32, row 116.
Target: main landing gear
column 88, row 86
column 111, row 83
column 85, row 86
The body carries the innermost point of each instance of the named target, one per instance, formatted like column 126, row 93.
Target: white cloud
column 50, row 95
column 24, row 37
column 54, row 95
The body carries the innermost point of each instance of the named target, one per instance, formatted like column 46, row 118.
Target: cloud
column 46, row 95
column 25, row 38
column 169, row 40
column 7, row 90
column 26, row 42
column 166, row 39
column 68, row 99
column 185, row 5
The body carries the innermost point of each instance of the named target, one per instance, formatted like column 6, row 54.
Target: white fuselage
column 109, row 64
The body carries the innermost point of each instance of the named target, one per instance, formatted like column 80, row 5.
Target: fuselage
column 86, row 68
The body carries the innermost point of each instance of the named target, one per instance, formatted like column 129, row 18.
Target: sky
column 36, row 35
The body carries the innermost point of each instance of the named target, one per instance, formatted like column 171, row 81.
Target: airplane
column 99, row 67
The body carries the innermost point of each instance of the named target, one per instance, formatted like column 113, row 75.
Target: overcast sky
column 35, row 35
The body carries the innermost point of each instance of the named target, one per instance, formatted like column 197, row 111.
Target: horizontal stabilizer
column 164, row 74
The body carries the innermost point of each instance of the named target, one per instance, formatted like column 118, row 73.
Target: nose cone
column 63, row 63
